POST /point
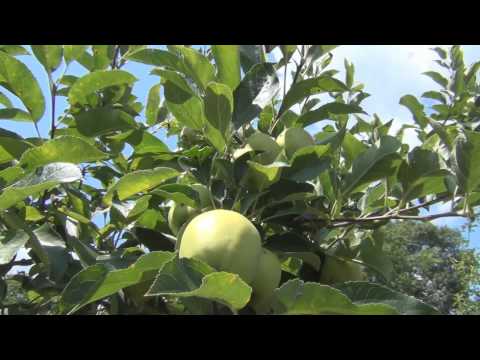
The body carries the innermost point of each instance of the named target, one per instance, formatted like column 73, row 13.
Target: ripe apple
column 266, row 280
column 293, row 139
column 224, row 239
column 337, row 271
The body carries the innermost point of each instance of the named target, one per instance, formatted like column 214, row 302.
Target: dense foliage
column 434, row 264
column 317, row 200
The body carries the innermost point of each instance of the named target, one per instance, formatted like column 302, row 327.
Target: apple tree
column 256, row 211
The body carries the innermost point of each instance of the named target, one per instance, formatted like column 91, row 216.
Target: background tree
column 433, row 264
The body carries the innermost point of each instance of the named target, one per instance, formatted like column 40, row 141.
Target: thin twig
column 53, row 90
column 424, row 204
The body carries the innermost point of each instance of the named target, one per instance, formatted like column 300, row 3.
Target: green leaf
column 137, row 182
column 18, row 79
column 364, row 292
column 4, row 100
column 352, row 147
column 87, row 61
column 265, row 175
column 98, row 281
column 440, row 52
column 153, row 105
column 415, row 108
column 315, row 52
column 12, row 148
column 372, row 254
column 179, row 193
column 288, row 242
column 103, row 120
column 308, row 163
column 472, row 74
column 266, row 119
column 215, row 137
column 349, row 73
column 196, row 66
column 287, row 52
column 156, row 57
column 78, row 241
column 227, row 59
column 325, row 111
column 46, row 178
column 309, row 87
column 95, row 81
column 56, row 250
column 372, row 164
column 181, row 101
column 466, row 162
column 436, row 95
column 15, row 115
column 50, row 56
column 142, row 142
column 219, row 107
column 251, row 55
column 296, row 297
column 10, row 174
column 438, row 78
column 68, row 149
column 255, row 91
column 73, row 52
column 14, row 50
column 102, row 56
column 192, row 278
column 422, row 165
column 10, row 244
column 332, row 138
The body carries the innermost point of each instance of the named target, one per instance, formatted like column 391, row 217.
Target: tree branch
column 115, row 56
column 348, row 221
column 52, row 126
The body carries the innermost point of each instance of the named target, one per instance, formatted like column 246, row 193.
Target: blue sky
column 388, row 71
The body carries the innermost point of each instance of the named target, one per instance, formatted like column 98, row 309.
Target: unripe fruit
column 189, row 137
column 293, row 139
column 267, row 279
column 337, row 271
column 178, row 215
column 224, row 239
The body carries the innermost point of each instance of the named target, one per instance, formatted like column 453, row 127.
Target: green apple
column 189, row 137
column 266, row 280
column 178, row 215
column 336, row 271
column 224, row 239
column 293, row 139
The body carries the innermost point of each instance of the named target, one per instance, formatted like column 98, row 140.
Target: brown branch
column 424, row 204
column 115, row 56
column 348, row 221
column 53, row 95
